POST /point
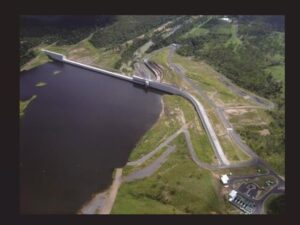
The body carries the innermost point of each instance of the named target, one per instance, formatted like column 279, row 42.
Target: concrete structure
column 154, row 68
column 224, row 179
column 244, row 204
column 167, row 88
column 225, row 18
column 232, row 195
column 54, row 55
column 62, row 58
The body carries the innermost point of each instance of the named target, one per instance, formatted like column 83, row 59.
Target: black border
column 10, row 105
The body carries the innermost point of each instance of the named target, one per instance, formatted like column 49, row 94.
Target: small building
column 224, row 179
column 232, row 195
column 225, row 18
column 246, row 205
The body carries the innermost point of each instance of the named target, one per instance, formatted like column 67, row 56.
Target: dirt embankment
column 103, row 202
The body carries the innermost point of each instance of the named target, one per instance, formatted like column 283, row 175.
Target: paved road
column 163, row 144
column 140, row 69
column 219, row 111
column 256, row 161
column 152, row 168
column 155, row 69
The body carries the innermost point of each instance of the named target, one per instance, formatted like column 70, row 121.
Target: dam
column 80, row 127
column 163, row 87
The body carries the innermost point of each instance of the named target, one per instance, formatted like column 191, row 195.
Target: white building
column 224, row 179
column 226, row 19
column 232, row 195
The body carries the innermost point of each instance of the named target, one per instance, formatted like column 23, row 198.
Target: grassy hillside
column 178, row 187
column 208, row 80
column 250, row 51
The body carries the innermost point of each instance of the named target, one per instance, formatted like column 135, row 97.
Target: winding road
column 223, row 162
column 256, row 160
column 152, row 168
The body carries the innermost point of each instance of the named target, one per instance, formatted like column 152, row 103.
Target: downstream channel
column 81, row 126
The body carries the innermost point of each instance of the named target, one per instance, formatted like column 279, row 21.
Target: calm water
column 80, row 127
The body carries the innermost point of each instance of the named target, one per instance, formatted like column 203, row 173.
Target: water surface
column 80, row 127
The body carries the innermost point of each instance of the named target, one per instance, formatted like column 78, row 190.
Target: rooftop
column 224, row 179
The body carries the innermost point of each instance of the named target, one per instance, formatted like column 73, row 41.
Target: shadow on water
column 80, row 127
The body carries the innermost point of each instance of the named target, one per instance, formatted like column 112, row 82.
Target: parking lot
column 249, row 189
column 244, row 204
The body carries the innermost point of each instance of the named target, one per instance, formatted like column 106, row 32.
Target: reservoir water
column 80, row 127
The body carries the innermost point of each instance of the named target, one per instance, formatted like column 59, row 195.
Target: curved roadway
column 201, row 113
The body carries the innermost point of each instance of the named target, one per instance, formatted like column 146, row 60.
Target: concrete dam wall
column 163, row 87
column 62, row 58
column 54, row 55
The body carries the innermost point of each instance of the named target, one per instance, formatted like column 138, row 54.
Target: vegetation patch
column 277, row 72
column 231, row 150
column 167, row 125
column 130, row 169
column 24, row 104
column 178, row 187
column 243, row 171
column 38, row 59
column 275, row 204
column 41, row 84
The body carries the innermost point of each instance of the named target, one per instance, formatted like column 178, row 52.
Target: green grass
column 130, row 169
column 262, row 180
column 24, row 104
column 207, row 78
column 232, row 151
column 260, row 144
column 179, row 186
column 203, row 74
column 195, row 32
column 251, row 117
column 234, row 40
column 86, row 52
column 40, row 84
column 243, row 171
column 277, row 72
column 62, row 49
column 223, row 28
column 202, row 146
column 40, row 59
column 163, row 128
column 160, row 56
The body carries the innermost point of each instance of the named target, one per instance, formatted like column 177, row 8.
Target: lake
column 81, row 126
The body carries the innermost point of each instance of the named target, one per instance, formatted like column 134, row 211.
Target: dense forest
column 127, row 54
column 62, row 30
column 126, row 28
column 108, row 31
column 276, row 205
